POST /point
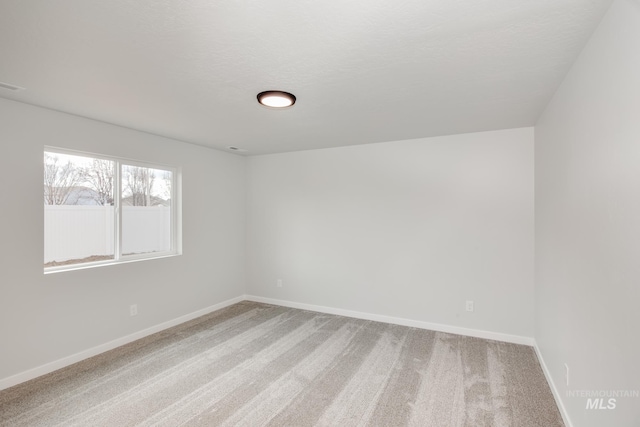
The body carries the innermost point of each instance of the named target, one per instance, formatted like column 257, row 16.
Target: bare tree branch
column 167, row 178
column 139, row 184
column 59, row 179
column 100, row 179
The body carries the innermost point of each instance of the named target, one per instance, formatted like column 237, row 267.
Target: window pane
column 78, row 209
column 146, row 210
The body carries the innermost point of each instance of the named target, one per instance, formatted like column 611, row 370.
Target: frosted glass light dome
column 276, row 99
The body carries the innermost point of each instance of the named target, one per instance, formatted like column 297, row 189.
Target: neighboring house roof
column 81, row 196
column 88, row 197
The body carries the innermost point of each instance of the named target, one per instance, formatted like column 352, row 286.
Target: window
column 101, row 210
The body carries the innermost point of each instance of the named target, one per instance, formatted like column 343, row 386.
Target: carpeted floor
column 254, row 364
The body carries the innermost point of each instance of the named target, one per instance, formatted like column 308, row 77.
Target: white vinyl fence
column 78, row 231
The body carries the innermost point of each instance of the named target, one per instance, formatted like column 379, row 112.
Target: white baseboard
column 85, row 354
column 515, row 339
column 554, row 389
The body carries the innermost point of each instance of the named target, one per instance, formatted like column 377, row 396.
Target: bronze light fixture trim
column 276, row 99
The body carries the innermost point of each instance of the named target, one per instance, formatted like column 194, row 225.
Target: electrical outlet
column 279, row 283
column 566, row 373
column 133, row 309
column 469, row 305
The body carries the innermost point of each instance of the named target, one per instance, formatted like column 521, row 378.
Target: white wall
column 407, row 229
column 47, row 317
column 588, row 222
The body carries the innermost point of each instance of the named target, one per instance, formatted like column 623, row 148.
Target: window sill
column 84, row 266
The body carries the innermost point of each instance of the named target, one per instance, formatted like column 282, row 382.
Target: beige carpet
column 254, row 364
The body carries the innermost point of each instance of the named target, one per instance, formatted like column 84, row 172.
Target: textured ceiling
column 363, row 70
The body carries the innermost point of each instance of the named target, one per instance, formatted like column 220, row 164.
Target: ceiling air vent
column 8, row 86
column 236, row 148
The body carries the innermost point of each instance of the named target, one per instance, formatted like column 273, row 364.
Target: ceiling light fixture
column 276, row 99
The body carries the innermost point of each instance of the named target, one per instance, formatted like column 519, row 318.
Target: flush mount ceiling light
column 276, row 99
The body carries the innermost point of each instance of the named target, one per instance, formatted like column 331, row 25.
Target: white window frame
column 175, row 211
